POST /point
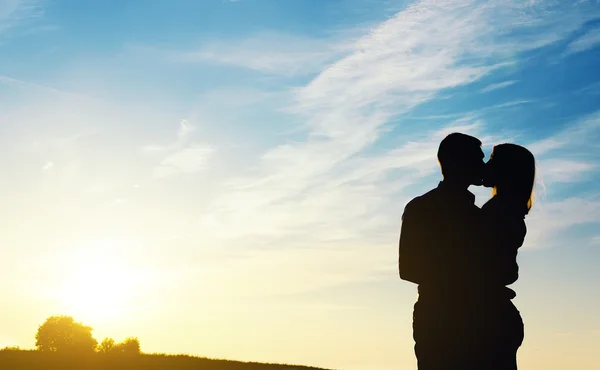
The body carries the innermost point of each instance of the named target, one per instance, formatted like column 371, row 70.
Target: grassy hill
column 34, row 360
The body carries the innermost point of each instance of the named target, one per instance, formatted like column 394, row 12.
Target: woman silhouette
column 511, row 172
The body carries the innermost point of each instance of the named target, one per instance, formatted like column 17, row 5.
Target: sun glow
column 99, row 285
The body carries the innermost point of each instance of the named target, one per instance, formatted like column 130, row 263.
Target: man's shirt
column 438, row 246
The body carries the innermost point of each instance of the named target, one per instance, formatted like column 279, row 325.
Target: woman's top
column 504, row 233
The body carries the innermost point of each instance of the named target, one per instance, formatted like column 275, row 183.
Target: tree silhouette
column 107, row 345
column 130, row 346
column 10, row 348
column 63, row 334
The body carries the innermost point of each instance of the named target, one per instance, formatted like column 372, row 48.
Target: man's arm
column 410, row 261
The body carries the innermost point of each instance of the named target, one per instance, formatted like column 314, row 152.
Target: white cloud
column 185, row 128
column 48, row 166
column 180, row 156
column 117, row 202
column 497, row 86
column 187, row 161
column 152, row 148
column 589, row 40
column 324, row 191
column 271, row 53
column 62, row 142
column 575, row 137
column 549, row 220
column 593, row 89
column 568, row 156
column 544, row 146
column 26, row 85
column 16, row 12
column 183, row 133
column 556, row 170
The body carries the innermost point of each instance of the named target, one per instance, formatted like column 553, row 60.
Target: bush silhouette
column 63, row 334
column 130, row 346
column 11, row 348
column 107, row 345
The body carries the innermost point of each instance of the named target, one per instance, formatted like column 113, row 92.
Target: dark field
column 35, row 360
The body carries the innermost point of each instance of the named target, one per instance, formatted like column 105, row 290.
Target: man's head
column 461, row 159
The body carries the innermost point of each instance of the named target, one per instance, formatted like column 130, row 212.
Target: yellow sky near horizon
column 189, row 314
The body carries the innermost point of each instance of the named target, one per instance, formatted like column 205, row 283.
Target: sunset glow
column 98, row 288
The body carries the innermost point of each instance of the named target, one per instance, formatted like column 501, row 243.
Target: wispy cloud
column 324, row 190
column 270, row 53
column 187, row 161
column 541, row 147
column 181, row 156
column 48, row 166
column 342, row 224
column 578, row 135
column 8, row 8
column 16, row 12
column 61, row 142
column 557, row 170
column 497, row 86
column 549, row 221
column 567, row 156
column 26, row 85
column 589, row 40
column 185, row 129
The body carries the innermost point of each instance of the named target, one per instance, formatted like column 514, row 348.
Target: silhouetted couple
column 463, row 257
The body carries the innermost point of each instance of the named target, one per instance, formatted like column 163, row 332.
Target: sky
column 227, row 178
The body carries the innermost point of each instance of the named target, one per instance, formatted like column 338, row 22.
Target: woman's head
column 511, row 172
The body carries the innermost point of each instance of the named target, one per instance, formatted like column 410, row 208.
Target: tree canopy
column 130, row 346
column 64, row 334
column 107, row 345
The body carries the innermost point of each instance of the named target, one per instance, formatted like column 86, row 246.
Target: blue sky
column 238, row 169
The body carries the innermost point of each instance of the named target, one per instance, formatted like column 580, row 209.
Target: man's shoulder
column 436, row 204
column 421, row 202
column 432, row 195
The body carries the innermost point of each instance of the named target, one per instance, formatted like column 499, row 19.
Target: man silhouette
column 439, row 251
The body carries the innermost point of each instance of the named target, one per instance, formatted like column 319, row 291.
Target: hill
column 35, row 360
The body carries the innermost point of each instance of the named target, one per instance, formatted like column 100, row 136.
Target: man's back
column 438, row 246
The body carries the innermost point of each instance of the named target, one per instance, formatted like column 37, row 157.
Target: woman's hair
column 514, row 168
